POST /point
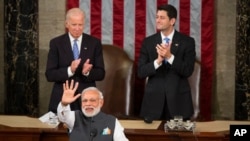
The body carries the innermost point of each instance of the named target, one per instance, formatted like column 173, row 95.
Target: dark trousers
column 165, row 112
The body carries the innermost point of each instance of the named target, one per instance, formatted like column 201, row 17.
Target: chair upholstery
column 117, row 86
column 194, row 81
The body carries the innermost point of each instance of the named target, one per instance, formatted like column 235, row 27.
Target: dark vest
column 83, row 126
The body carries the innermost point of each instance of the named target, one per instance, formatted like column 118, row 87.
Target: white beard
column 95, row 112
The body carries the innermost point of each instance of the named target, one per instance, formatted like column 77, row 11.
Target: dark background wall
column 21, row 57
column 242, row 79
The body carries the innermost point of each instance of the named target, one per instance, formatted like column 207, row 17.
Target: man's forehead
column 91, row 93
column 162, row 12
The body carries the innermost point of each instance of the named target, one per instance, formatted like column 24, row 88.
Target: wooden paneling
column 61, row 134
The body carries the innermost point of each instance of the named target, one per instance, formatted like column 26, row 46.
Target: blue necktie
column 166, row 39
column 75, row 49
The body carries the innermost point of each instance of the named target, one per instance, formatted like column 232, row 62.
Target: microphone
column 93, row 133
column 148, row 120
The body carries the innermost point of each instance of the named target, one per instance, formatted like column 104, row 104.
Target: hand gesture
column 74, row 65
column 68, row 92
column 163, row 52
column 86, row 67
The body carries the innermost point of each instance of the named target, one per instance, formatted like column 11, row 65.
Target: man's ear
column 66, row 24
column 172, row 21
column 101, row 102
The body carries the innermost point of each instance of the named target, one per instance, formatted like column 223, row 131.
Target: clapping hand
column 86, row 67
column 163, row 52
column 69, row 92
column 74, row 65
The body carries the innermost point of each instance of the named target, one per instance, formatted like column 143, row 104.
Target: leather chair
column 194, row 81
column 117, row 86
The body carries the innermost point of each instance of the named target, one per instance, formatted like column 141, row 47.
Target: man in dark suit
column 85, row 66
column 166, row 60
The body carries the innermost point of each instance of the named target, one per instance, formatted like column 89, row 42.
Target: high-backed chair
column 194, row 81
column 117, row 86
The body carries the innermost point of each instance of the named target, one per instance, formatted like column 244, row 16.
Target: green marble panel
column 242, row 80
column 21, row 57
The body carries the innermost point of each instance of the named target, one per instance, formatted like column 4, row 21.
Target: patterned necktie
column 75, row 50
column 166, row 39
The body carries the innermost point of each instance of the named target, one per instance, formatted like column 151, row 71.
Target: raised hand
column 68, row 92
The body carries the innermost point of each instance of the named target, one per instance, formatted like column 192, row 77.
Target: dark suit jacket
column 168, row 82
column 60, row 57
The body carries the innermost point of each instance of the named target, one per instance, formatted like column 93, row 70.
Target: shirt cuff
column 62, row 108
column 86, row 74
column 171, row 59
column 70, row 73
column 156, row 65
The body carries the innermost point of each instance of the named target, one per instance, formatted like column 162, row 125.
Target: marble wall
column 21, row 57
column 242, row 93
column 51, row 24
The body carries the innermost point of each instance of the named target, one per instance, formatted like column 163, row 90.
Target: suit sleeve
column 97, row 73
column 56, row 69
column 184, row 60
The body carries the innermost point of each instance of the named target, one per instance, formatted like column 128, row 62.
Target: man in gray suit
column 166, row 59
column 85, row 66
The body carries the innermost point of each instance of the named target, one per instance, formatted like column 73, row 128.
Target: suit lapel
column 158, row 38
column 67, row 47
column 84, row 47
column 175, row 43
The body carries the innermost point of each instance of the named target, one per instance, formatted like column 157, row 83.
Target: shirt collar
column 170, row 36
column 79, row 39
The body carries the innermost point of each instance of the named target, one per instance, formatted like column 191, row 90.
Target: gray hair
column 74, row 11
column 95, row 89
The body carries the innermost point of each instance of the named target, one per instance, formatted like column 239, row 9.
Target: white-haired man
column 90, row 122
